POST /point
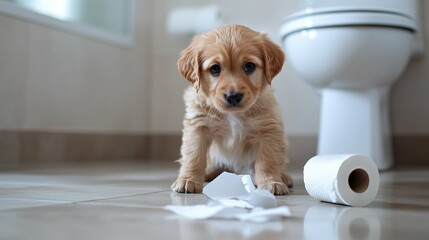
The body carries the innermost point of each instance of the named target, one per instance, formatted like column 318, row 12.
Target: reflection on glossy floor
column 124, row 201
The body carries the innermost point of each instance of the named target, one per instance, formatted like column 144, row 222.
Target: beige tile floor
column 125, row 201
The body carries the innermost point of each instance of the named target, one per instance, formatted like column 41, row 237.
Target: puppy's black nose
column 233, row 98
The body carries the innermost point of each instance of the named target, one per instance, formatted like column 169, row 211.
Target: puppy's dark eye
column 215, row 70
column 249, row 67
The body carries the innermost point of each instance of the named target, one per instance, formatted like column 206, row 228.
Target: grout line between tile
column 37, row 200
column 111, row 198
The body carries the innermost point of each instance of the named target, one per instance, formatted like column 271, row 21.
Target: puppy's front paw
column 187, row 186
column 277, row 188
column 287, row 180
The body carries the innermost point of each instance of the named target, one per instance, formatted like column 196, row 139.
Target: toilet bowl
column 352, row 55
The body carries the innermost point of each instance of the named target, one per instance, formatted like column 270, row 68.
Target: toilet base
column 356, row 121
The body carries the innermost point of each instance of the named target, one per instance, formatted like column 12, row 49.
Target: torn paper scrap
column 260, row 198
column 226, row 185
column 231, row 186
column 248, row 183
column 205, row 211
column 198, row 212
column 265, row 215
column 229, row 202
column 235, row 197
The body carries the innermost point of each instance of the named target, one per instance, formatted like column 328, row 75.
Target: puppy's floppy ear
column 273, row 58
column 189, row 65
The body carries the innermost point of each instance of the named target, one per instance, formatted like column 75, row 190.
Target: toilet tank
column 411, row 8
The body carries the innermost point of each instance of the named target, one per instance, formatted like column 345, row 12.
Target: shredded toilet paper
column 234, row 197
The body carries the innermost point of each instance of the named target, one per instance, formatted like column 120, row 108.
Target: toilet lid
column 345, row 18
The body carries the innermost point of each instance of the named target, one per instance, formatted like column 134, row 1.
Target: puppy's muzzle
column 233, row 98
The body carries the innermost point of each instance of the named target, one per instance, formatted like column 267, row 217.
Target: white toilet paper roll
column 345, row 179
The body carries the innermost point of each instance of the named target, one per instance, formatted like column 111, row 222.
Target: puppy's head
column 231, row 65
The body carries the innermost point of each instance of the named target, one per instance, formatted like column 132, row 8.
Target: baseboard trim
column 411, row 150
column 28, row 147
column 31, row 147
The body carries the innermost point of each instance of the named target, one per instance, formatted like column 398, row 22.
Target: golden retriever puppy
column 232, row 120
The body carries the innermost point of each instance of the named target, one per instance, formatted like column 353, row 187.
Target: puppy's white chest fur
column 236, row 131
column 231, row 147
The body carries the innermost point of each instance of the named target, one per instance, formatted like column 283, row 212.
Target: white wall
column 59, row 81
column 55, row 80
column 410, row 98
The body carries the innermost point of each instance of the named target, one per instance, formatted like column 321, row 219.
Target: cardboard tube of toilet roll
column 344, row 179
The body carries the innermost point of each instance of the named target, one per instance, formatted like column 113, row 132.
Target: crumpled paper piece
column 234, row 197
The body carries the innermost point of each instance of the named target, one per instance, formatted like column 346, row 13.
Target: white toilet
column 353, row 51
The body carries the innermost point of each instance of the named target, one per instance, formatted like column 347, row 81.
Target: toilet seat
column 345, row 18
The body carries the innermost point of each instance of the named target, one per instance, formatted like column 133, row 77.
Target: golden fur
column 246, row 137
